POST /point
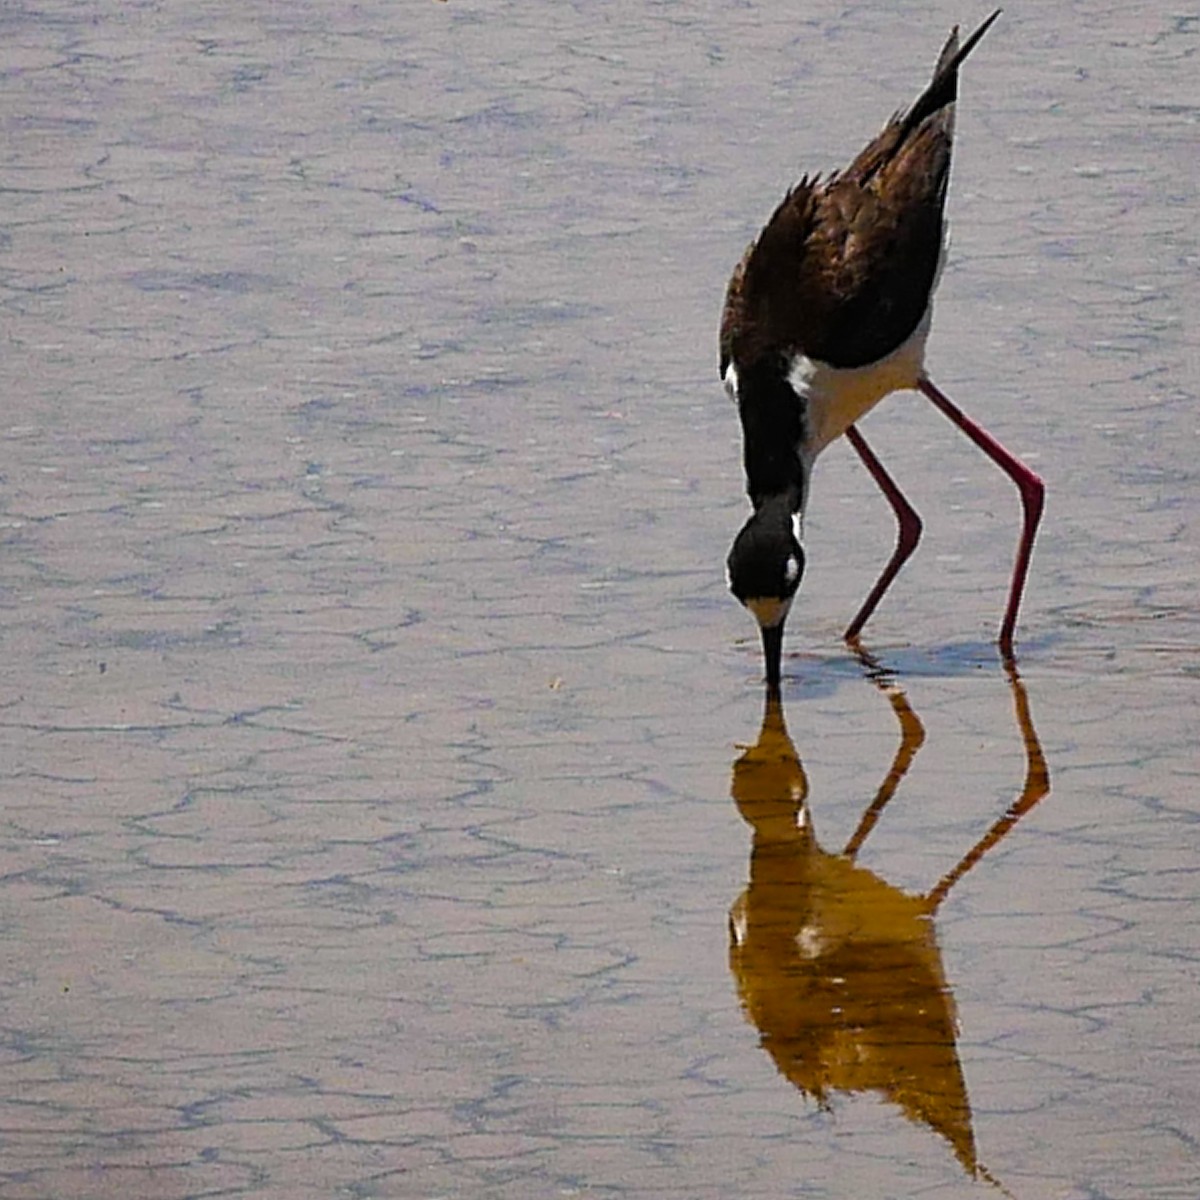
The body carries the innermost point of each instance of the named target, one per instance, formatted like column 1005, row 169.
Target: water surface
column 373, row 709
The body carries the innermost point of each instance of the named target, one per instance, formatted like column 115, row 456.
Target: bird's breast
column 835, row 398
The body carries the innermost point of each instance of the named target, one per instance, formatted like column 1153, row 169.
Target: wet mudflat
column 387, row 803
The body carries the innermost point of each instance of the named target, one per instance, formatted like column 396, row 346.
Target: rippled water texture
column 387, row 804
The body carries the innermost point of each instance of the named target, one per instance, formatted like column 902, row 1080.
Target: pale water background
column 370, row 690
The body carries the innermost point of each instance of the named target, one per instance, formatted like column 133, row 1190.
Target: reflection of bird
column 827, row 312
column 839, row 970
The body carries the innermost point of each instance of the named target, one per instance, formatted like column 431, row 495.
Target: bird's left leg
column 908, row 532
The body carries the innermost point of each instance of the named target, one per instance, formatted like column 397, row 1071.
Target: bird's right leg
column 908, row 532
column 1033, row 497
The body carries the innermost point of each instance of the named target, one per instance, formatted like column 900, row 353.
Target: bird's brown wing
column 731, row 311
column 879, row 244
column 844, row 269
column 772, row 282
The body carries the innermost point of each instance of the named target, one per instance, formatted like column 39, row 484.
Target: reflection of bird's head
column 769, row 785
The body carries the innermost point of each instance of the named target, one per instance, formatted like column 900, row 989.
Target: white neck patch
column 731, row 382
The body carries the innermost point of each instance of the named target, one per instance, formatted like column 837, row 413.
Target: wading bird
column 827, row 312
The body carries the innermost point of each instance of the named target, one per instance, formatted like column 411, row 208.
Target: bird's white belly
column 836, row 397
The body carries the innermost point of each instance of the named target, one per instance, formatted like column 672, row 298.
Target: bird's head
column 765, row 566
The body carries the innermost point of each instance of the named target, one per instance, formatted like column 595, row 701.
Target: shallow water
column 373, row 706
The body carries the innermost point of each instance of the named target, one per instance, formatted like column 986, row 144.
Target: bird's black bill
column 772, row 639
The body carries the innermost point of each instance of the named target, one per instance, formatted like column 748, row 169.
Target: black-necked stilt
column 827, row 312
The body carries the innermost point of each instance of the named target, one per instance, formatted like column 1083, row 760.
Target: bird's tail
column 943, row 89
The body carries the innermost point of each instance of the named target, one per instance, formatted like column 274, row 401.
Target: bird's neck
column 776, row 509
column 774, row 435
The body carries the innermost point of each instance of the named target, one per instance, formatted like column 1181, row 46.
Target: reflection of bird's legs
column 1035, row 789
column 912, row 737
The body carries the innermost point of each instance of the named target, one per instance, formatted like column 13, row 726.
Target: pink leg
column 907, row 536
column 1033, row 495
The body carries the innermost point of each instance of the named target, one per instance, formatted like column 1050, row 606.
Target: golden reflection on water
column 840, row 971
